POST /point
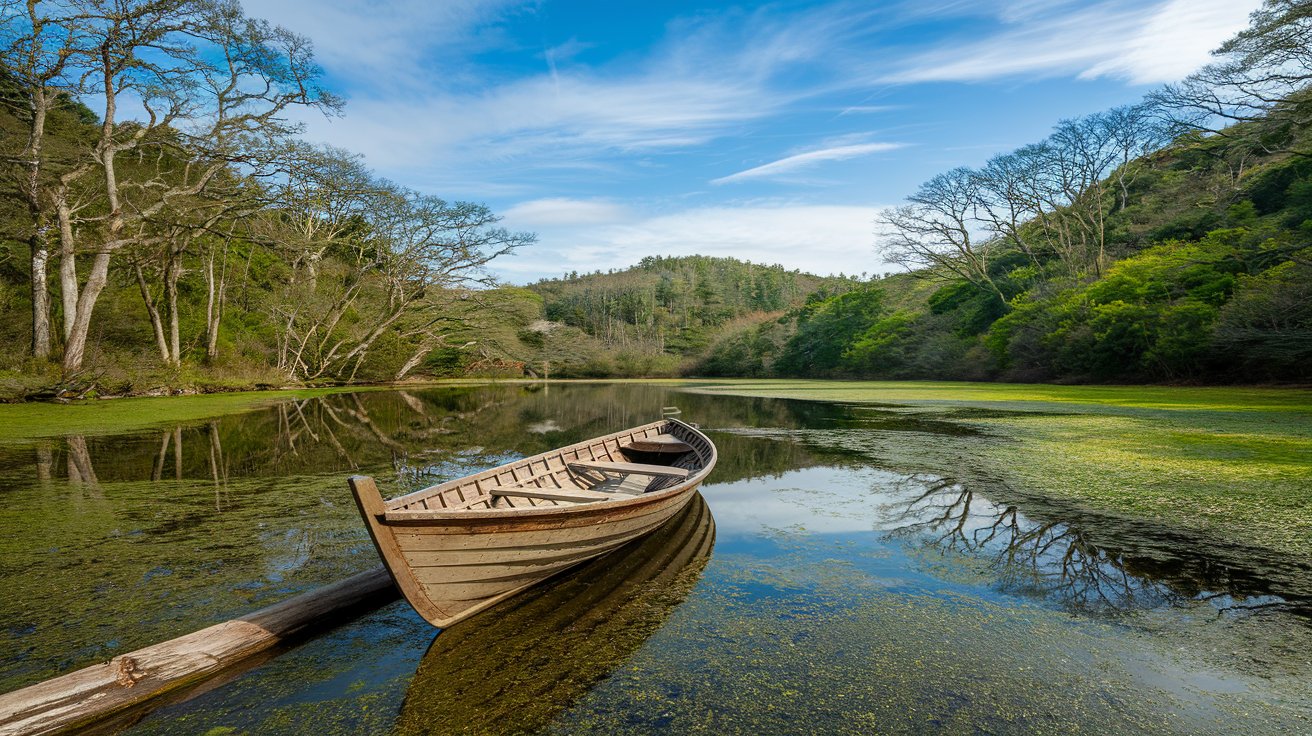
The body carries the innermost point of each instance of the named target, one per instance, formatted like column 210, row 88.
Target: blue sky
column 772, row 132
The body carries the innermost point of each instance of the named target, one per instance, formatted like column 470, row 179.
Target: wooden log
column 80, row 698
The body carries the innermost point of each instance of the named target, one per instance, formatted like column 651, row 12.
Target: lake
column 823, row 582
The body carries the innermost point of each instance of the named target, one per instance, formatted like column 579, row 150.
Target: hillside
column 1204, row 273
column 657, row 316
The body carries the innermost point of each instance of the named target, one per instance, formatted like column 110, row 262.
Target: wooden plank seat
column 629, row 485
column 663, row 444
column 660, row 471
column 551, row 494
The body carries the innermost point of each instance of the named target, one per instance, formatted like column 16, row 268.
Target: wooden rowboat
column 578, row 631
column 459, row 547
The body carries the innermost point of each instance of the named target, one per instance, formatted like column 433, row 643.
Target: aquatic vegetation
column 880, row 564
column 1232, row 463
column 31, row 420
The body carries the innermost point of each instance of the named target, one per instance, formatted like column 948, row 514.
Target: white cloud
column 825, row 239
column 414, row 106
column 1176, row 40
column 809, row 158
column 866, row 109
column 542, row 121
column 563, row 211
column 1144, row 43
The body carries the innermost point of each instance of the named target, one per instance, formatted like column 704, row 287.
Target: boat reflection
column 514, row 667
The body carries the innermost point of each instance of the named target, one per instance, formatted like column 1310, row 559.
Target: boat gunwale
column 427, row 517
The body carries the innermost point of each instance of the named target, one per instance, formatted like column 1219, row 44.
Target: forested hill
column 1191, row 262
column 677, row 305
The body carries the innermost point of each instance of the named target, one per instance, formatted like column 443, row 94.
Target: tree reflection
column 80, row 469
column 45, row 462
column 1054, row 559
column 422, row 435
column 218, row 467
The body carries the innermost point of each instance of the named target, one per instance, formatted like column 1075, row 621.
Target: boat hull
column 452, row 563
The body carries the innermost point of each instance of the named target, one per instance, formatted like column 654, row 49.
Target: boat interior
column 642, row 460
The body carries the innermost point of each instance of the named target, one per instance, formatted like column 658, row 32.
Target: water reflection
column 1059, row 561
column 406, row 431
column 516, row 666
column 843, row 596
column 112, row 542
column 109, row 542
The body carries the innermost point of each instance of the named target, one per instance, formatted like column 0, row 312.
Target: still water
column 812, row 588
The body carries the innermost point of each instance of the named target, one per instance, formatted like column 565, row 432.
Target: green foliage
column 882, row 348
column 1266, row 329
column 1211, row 279
column 675, row 305
column 1150, row 316
column 748, row 351
column 825, row 330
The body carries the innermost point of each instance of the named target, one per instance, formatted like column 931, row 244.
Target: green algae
column 1232, row 463
column 1198, row 398
column 813, row 636
column 34, row 420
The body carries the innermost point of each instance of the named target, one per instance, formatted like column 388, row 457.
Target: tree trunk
column 40, row 296
column 68, row 287
column 75, row 348
column 214, row 300
column 40, row 249
column 171, row 275
column 156, row 323
column 425, row 347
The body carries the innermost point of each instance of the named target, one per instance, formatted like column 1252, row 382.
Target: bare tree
column 1008, row 199
column 1260, row 76
column 214, row 87
column 401, row 255
column 941, row 231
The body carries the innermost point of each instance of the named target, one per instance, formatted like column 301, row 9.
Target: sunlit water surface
column 815, row 590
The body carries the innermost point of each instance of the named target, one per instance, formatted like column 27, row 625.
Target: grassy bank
column 1234, row 464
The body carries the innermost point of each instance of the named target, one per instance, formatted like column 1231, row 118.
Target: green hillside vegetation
column 659, row 316
column 1207, row 277
column 1165, row 241
column 139, row 253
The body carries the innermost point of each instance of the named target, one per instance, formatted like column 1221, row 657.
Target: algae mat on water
column 1232, row 463
column 35, row 420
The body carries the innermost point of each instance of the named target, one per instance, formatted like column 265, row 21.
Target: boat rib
column 456, row 548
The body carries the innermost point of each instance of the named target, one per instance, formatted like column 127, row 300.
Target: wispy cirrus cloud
column 709, row 75
column 1143, row 43
column 808, row 159
column 543, row 122
column 389, row 43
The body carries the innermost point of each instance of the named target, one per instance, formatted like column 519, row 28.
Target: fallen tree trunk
column 79, row 698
